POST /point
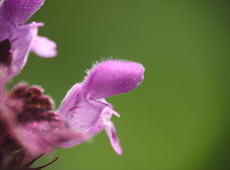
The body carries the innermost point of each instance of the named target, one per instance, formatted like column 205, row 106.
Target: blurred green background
column 178, row 119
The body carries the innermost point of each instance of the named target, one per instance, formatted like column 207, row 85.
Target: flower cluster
column 29, row 125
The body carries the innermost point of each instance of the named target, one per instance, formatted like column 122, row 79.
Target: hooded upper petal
column 109, row 78
column 103, row 80
column 19, row 11
column 84, row 106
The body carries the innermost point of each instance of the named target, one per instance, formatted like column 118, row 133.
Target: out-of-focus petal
column 19, row 10
column 32, row 122
column 20, row 39
column 44, row 47
column 41, row 137
column 113, row 77
column 21, row 42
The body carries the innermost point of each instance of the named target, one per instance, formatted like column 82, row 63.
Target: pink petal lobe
column 44, row 47
column 114, row 140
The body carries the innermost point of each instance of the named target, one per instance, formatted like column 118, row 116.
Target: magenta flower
column 29, row 125
column 28, row 120
column 85, row 108
column 18, row 38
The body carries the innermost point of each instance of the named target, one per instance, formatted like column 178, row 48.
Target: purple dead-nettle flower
column 85, row 108
column 29, row 125
column 18, row 38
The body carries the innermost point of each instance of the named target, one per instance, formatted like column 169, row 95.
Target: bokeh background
column 178, row 119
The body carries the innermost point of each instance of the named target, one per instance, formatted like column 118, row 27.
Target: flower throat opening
column 5, row 54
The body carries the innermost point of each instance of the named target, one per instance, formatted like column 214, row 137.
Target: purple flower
column 85, row 108
column 28, row 120
column 29, row 125
column 18, row 38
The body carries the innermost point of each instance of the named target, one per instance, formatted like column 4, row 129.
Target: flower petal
column 83, row 115
column 80, row 112
column 41, row 137
column 21, row 44
column 84, row 106
column 19, row 10
column 113, row 77
column 44, row 47
column 114, row 140
column 20, row 39
column 32, row 122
